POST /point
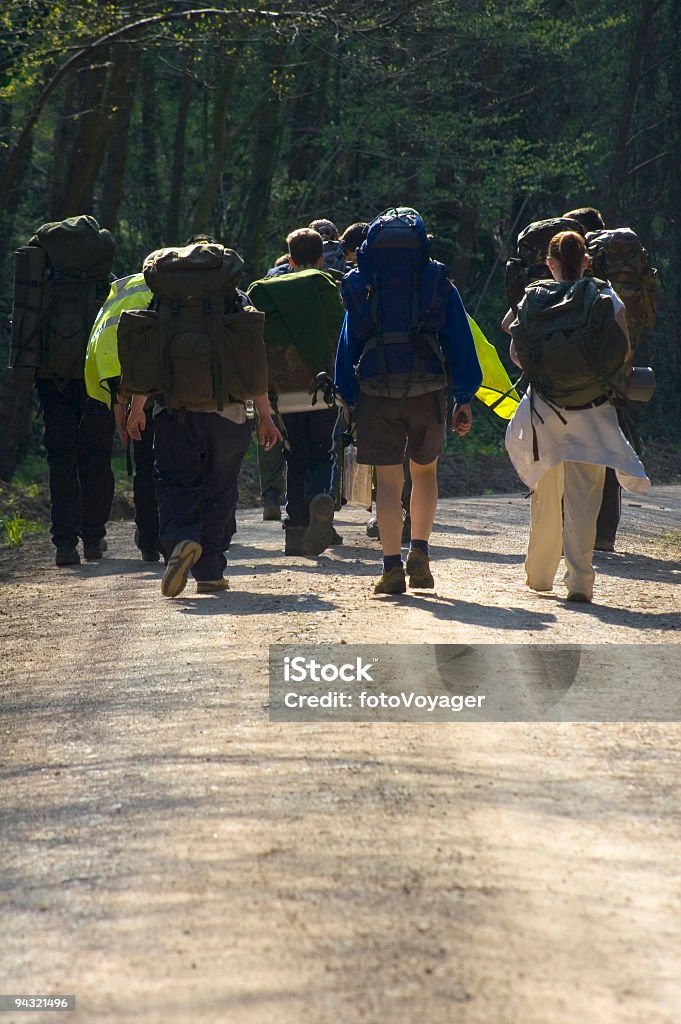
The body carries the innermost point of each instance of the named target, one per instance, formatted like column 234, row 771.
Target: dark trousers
column 144, row 492
column 78, row 437
column 310, row 461
column 611, row 507
column 197, row 460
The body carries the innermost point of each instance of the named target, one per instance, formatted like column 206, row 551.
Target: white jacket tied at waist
column 590, row 435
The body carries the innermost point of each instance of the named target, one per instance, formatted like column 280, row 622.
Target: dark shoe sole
column 184, row 555
column 319, row 533
column 578, row 599
column 271, row 514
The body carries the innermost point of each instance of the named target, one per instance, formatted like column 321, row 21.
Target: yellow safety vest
column 495, row 381
column 101, row 357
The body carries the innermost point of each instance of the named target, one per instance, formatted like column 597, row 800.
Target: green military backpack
column 61, row 278
column 569, row 344
column 197, row 347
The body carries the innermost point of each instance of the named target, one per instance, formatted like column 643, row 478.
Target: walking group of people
column 362, row 331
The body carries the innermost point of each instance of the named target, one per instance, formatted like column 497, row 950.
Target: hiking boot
column 372, row 528
column 150, row 554
column 577, row 598
column 293, row 544
column 392, row 582
column 319, row 533
column 67, row 556
column 184, row 555
column 336, row 538
column 212, row 586
column 418, row 570
column 271, row 512
column 603, row 544
column 93, row 550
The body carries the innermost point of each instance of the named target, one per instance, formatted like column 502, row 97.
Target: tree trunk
column 177, row 176
column 74, row 193
column 16, row 396
column 122, row 97
column 63, row 140
column 203, row 216
column 615, row 206
column 263, row 161
column 149, row 171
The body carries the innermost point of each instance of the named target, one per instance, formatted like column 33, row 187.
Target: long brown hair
column 568, row 248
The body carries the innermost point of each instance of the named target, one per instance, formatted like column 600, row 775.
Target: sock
column 391, row 562
column 422, row 545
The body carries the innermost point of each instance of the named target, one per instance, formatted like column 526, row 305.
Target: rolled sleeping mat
column 641, row 384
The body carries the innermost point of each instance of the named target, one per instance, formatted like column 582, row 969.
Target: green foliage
column 483, row 115
column 15, row 528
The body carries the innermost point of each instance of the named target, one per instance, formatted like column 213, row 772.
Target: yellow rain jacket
column 101, row 357
column 495, row 381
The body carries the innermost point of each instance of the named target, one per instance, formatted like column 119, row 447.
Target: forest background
column 163, row 119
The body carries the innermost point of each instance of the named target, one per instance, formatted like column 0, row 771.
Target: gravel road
column 169, row 855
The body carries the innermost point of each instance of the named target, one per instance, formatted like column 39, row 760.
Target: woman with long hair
column 561, row 448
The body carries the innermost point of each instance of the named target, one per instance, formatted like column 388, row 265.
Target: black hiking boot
column 93, row 550
column 295, row 535
column 66, row 555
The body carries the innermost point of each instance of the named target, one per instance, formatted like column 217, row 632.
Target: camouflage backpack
column 617, row 256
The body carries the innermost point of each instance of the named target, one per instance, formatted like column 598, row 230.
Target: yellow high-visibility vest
column 101, row 357
column 495, row 381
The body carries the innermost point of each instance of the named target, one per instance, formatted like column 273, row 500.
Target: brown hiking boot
column 392, row 582
column 212, row 586
column 418, row 570
column 319, row 534
column 184, row 555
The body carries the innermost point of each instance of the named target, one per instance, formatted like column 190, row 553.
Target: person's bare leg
column 389, row 484
column 423, row 499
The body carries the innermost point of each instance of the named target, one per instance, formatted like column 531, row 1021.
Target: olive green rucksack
column 197, row 347
column 569, row 344
column 61, row 279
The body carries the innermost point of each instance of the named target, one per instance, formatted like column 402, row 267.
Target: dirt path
column 168, row 855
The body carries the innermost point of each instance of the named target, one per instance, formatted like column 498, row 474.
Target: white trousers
column 572, row 528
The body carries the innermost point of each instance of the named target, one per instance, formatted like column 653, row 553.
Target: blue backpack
column 396, row 300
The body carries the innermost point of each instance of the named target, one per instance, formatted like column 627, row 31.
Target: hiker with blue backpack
column 405, row 354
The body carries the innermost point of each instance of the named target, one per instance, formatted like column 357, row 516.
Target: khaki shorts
column 389, row 428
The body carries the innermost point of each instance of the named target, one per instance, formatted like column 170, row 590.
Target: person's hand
column 136, row 423
column 267, row 433
column 462, row 419
column 121, row 428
